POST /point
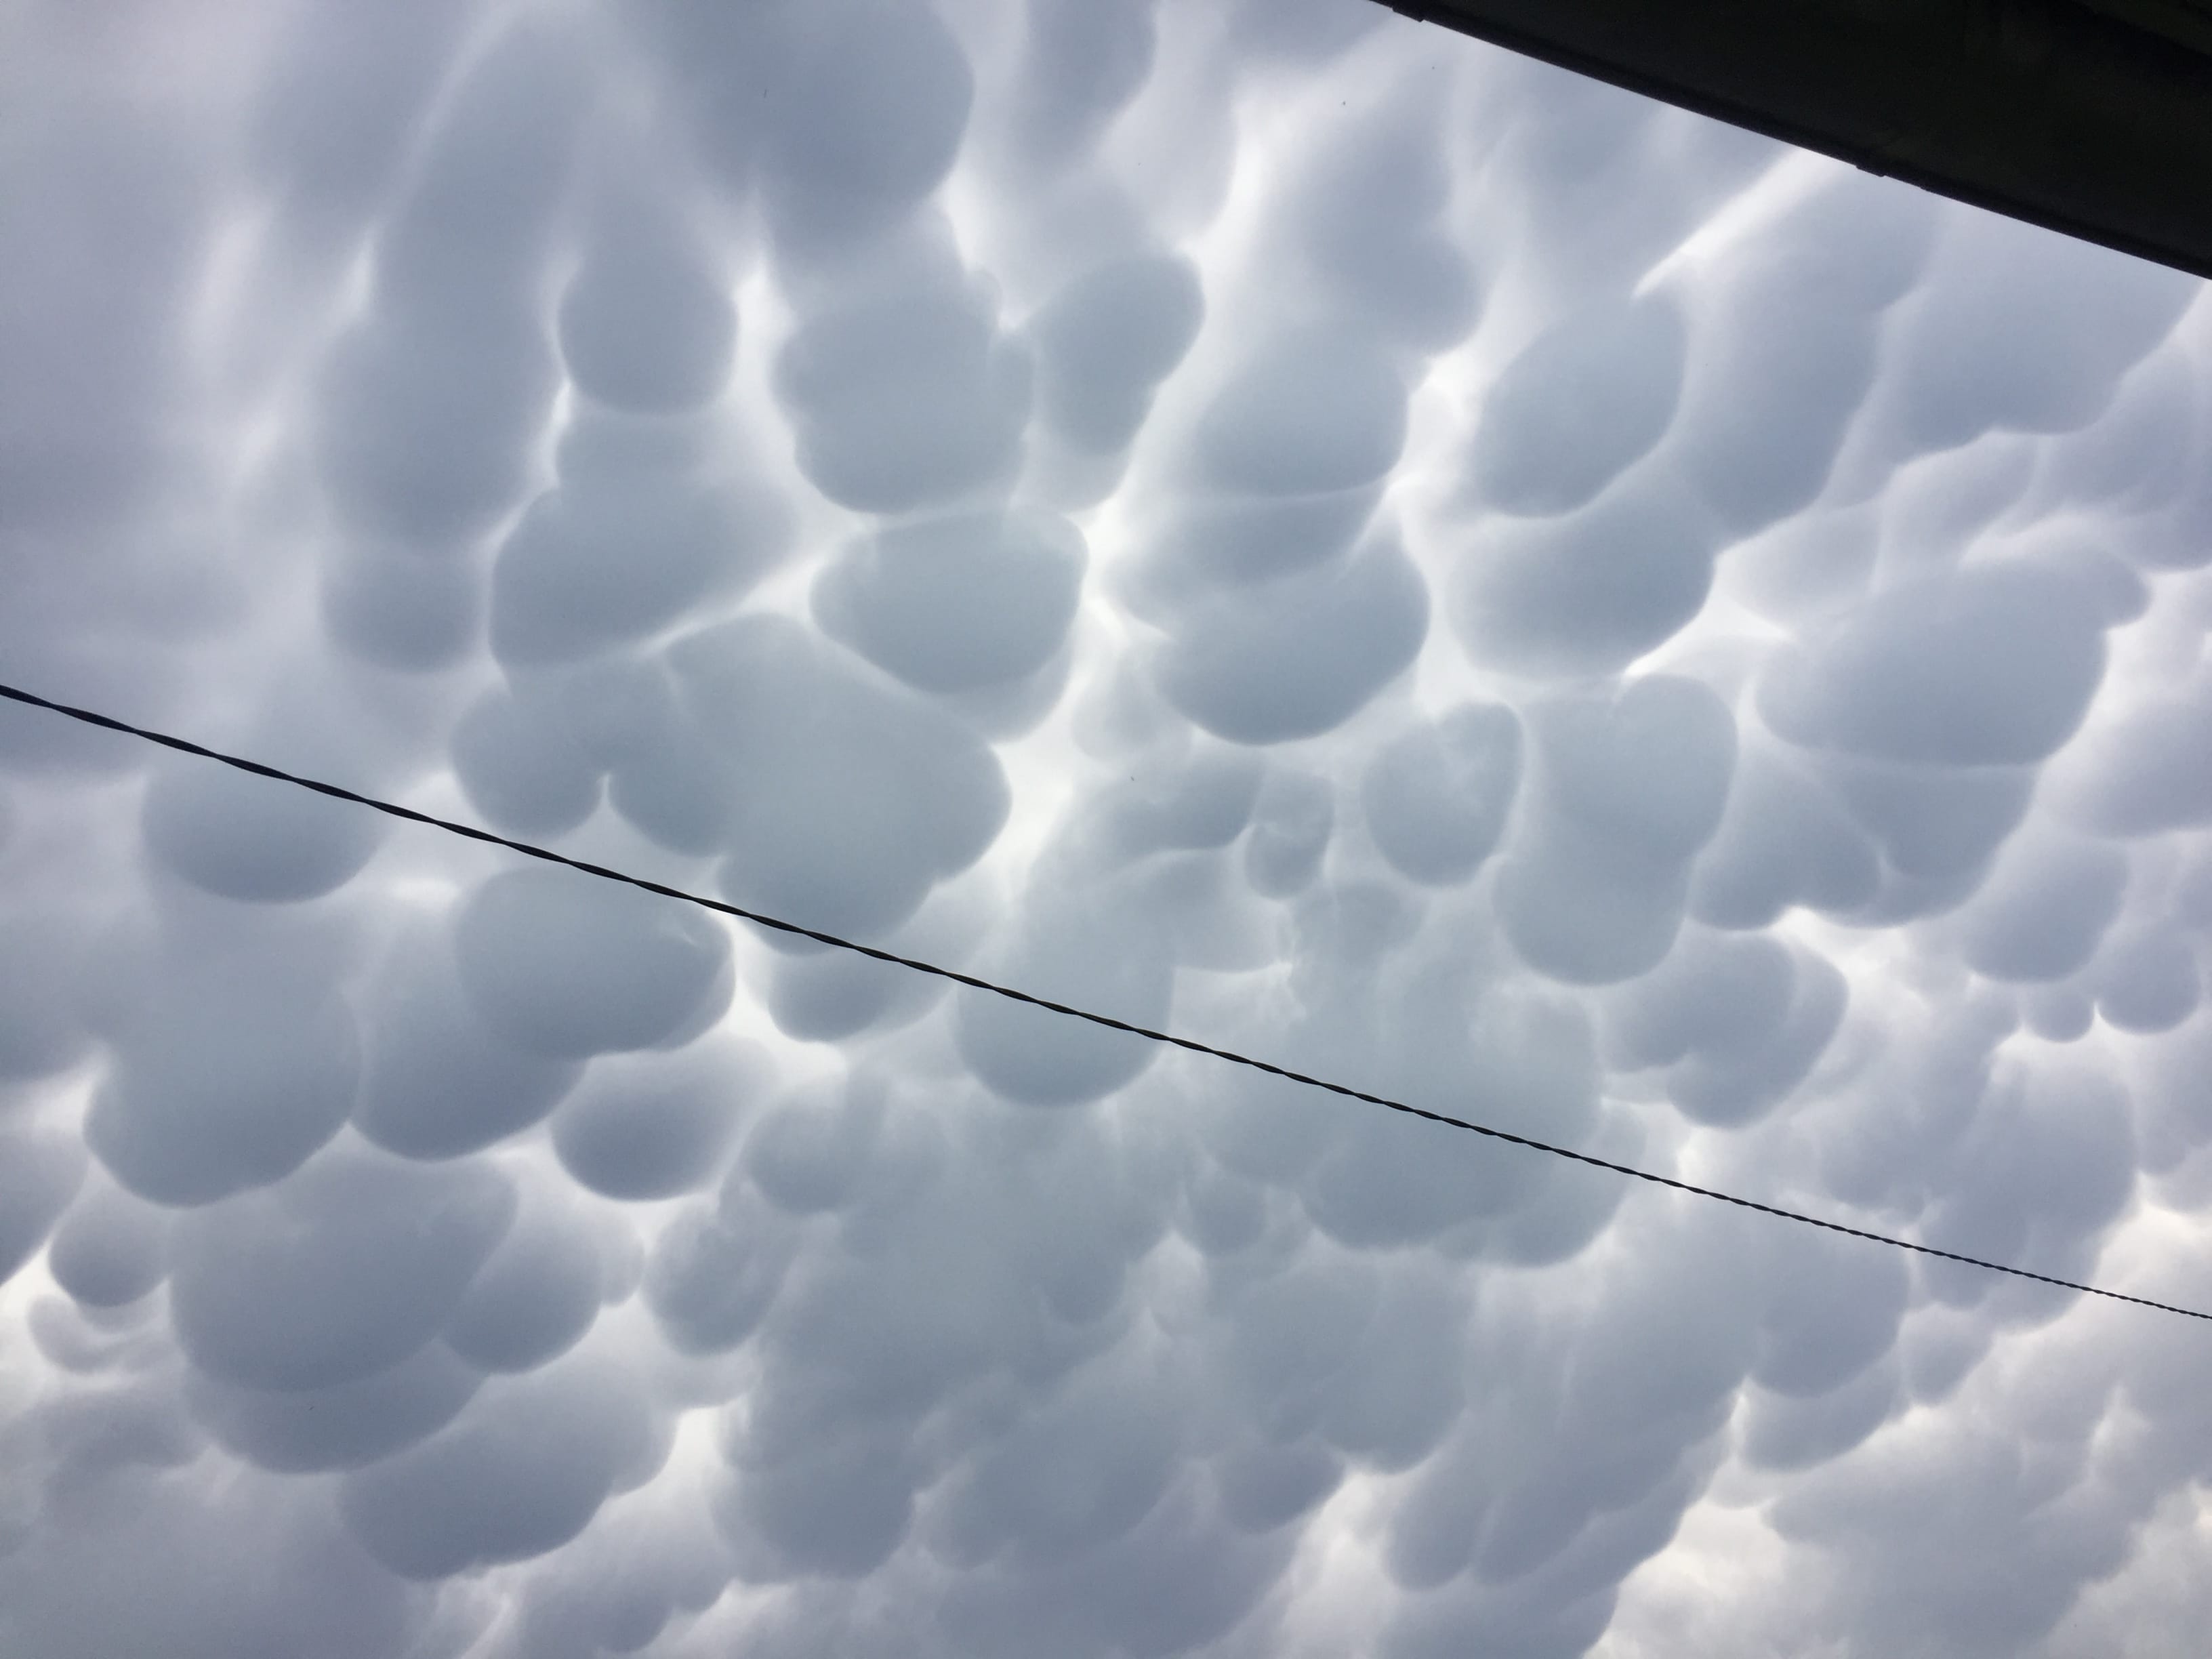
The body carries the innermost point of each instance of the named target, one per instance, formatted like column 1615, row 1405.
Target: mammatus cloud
column 1259, row 518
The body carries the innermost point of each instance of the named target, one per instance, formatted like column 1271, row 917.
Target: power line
column 547, row 855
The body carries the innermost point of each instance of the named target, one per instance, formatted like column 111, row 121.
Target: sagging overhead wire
column 776, row 924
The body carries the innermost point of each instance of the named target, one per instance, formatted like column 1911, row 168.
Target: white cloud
column 1262, row 518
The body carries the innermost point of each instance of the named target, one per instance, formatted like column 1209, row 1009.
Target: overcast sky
column 1252, row 516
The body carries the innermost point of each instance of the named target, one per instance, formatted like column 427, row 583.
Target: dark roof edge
column 2064, row 113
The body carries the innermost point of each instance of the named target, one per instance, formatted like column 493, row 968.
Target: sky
column 1254, row 517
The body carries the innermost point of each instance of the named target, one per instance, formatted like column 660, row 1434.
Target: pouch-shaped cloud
column 1107, row 338
column 906, row 400
column 1737, row 1022
column 1038, row 1058
column 519, row 761
column 2140, row 778
column 346, row 1425
column 564, row 967
column 43, row 1176
column 1786, row 351
column 1314, row 411
column 651, row 1125
column 714, row 1273
column 976, row 477
column 1629, row 788
column 646, row 324
column 1786, row 838
column 1437, row 798
column 42, row 1022
column 1585, row 594
column 868, row 108
column 1365, row 219
column 1301, row 654
column 1992, row 665
column 1963, row 372
column 1568, row 415
column 516, row 1475
column 437, row 1080
column 847, row 798
column 113, row 1247
column 906, row 599
column 1292, row 820
column 2044, row 908
column 352, row 1266
column 246, row 838
column 609, row 557
column 226, row 1081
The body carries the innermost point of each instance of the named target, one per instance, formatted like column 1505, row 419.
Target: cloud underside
column 1265, row 520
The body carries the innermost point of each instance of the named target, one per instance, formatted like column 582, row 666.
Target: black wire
column 184, row 746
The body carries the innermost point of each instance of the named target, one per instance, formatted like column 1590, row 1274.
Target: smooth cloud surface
column 1257, row 517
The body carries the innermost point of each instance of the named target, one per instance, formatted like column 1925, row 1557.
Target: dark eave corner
column 2093, row 118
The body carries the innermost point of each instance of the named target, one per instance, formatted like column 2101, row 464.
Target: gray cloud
column 979, row 476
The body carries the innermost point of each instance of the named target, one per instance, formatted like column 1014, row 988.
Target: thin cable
column 184, row 746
